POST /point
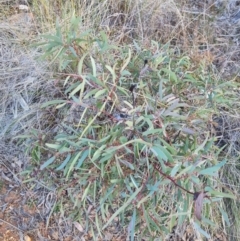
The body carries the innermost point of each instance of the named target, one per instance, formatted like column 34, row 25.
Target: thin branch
column 11, row 225
column 172, row 180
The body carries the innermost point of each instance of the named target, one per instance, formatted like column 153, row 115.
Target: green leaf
column 86, row 191
column 152, row 132
column 211, row 171
column 172, row 222
column 168, row 155
column 195, row 180
column 106, row 157
column 58, row 30
column 96, row 80
column 76, row 100
column 159, row 60
column 122, row 208
column 72, row 86
column 175, row 169
column 123, row 90
column 52, row 38
column 78, row 88
column 188, row 169
column 75, row 21
column 220, row 194
column 175, row 104
column 115, row 148
column 207, row 221
column 200, row 230
column 98, row 153
column 47, row 163
column 80, row 64
column 94, row 69
column 123, row 139
column 53, row 146
column 169, row 148
column 90, row 93
column 83, row 157
column 201, row 147
column 99, row 93
column 136, row 45
column 133, row 181
column 102, row 200
column 126, row 163
column 126, row 62
column 112, row 72
column 65, row 162
column 157, row 150
column 125, row 73
column 60, row 106
column 73, row 51
column 171, row 74
column 225, row 215
column 53, row 102
column 160, row 89
column 84, row 34
column 132, row 224
column 73, row 162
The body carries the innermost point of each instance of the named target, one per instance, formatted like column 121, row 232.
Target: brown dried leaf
column 78, row 226
column 27, row 238
column 55, row 235
column 199, row 205
column 188, row 131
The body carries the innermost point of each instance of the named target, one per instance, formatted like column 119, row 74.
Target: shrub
column 134, row 141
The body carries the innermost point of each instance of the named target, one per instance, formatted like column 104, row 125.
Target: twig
column 11, row 225
column 172, row 180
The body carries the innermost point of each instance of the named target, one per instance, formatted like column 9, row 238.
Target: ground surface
column 26, row 209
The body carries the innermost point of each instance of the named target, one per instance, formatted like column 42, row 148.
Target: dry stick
column 11, row 225
column 15, row 176
column 172, row 180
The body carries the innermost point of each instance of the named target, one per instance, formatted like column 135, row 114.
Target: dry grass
column 185, row 25
column 23, row 85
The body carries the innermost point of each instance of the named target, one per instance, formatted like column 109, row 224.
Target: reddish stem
column 172, row 180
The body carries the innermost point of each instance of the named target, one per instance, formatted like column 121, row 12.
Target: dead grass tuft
column 23, row 85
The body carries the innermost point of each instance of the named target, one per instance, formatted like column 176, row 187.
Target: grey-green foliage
column 141, row 161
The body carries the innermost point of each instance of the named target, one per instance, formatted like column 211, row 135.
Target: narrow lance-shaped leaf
column 131, row 226
column 80, row 64
column 198, row 228
column 53, row 146
column 122, row 208
column 52, row 102
column 202, row 145
column 111, row 70
column 159, row 152
column 225, row 216
column 175, row 170
column 105, row 197
column 65, row 162
column 220, row 194
column 78, row 88
column 73, row 162
column 47, row 163
column 52, row 38
column 212, row 170
column 100, row 92
column 73, row 51
column 127, row 60
column 83, row 157
column 94, row 68
column 188, row 170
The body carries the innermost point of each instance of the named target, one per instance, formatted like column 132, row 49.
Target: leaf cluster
column 136, row 154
